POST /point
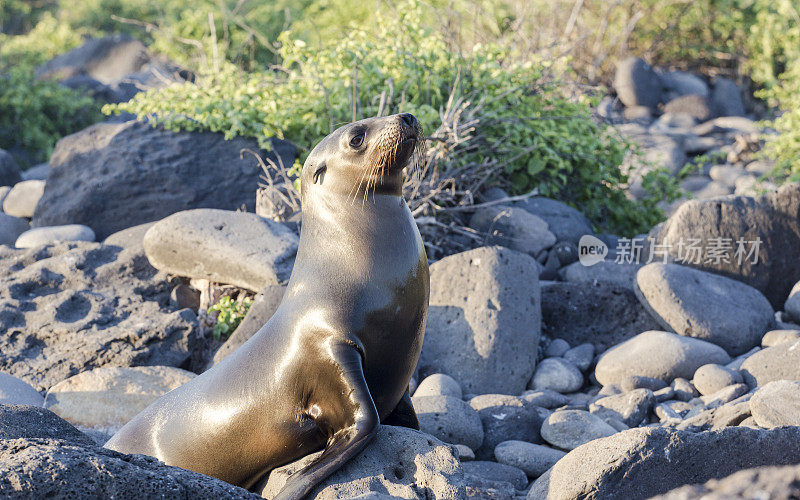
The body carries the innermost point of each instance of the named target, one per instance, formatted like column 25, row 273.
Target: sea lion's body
column 335, row 359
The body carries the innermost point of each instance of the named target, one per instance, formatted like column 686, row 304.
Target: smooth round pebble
column 545, row 398
column 450, row 419
column 569, row 429
column 558, row 375
column 465, row 453
column 711, row 378
column 557, row 348
column 52, row 234
column 581, row 356
column 684, row 390
column 631, row 408
column 438, row 384
column 532, row 459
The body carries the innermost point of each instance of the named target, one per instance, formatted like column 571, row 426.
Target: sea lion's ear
column 319, row 173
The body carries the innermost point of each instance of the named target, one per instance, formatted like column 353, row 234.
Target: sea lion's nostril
column 409, row 119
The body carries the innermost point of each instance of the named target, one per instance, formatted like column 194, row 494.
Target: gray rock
column 726, row 97
column 694, row 145
column 724, row 395
column 637, row 84
column 514, row 228
column 133, row 237
column 775, row 337
column 42, row 456
column 679, row 298
column 736, row 364
column 104, row 59
column 234, row 248
column 603, row 314
column 777, row 404
column 112, row 176
column 465, row 453
column 696, row 106
column 449, row 419
column 556, row 374
column 681, row 83
column 684, row 390
column 732, row 124
column 484, row 320
column 72, row 307
column 264, row 305
column 4, row 190
column 39, row 172
column 14, row 391
column 638, row 114
column 21, row 201
column 494, row 471
column 544, row 399
column 605, row 271
column 660, row 355
column 711, row 378
column 11, row 227
column 634, row 382
column 721, row 416
column 398, row 462
column 557, row 348
column 533, row 459
column 439, row 384
column 712, row 190
column 726, row 174
column 506, row 417
column 39, row 236
column 631, row 408
column 664, row 394
column 792, row 304
column 581, row 356
column 569, row 429
column 774, row 218
column 655, row 460
column 565, row 222
column 777, row 483
column 779, row 362
column 9, row 170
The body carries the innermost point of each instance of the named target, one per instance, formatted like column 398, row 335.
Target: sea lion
column 336, row 358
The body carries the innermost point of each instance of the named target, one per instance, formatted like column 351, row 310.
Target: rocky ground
column 668, row 369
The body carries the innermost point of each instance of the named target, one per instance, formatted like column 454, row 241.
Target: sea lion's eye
column 319, row 173
column 357, row 141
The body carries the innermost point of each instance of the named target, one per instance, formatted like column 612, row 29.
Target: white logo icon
column 591, row 250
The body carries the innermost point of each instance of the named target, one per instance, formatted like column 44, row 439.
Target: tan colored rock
column 106, row 398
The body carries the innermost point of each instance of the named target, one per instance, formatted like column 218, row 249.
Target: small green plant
column 230, row 313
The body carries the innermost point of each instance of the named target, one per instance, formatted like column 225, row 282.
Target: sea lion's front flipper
column 403, row 414
column 347, row 414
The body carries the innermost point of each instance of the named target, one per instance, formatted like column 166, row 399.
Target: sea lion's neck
column 350, row 238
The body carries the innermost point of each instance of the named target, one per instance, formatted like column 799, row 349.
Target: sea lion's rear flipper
column 403, row 414
column 348, row 416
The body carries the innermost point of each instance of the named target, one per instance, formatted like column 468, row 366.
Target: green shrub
column 774, row 47
column 34, row 115
column 546, row 140
column 230, row 314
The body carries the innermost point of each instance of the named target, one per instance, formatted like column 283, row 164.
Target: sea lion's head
column 362, row 158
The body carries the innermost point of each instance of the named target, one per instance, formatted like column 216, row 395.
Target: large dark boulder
column 601, row 313
column 640, row 463
column 71, row 307
column 772, row 218
column 112, row 176
column 42, row 456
